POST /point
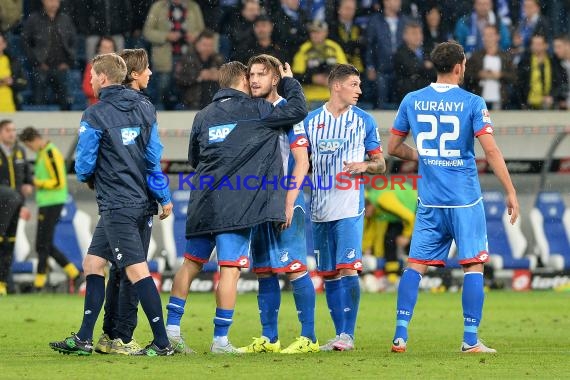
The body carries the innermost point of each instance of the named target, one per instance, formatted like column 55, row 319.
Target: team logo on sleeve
column 300, row 142
column 128, row 135
column 298, row 128
column 219, row 133
column 486, row 116
column 329, row 146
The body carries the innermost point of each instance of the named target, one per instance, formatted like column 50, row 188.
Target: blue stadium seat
column 507, row 243
column 550, row 220
column 73, row 233
column 174, row 232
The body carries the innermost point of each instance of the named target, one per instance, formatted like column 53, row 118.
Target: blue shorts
column 278, row 251
column 338, row 244
column 122, row 236
column 232, row 248
column 435, row 228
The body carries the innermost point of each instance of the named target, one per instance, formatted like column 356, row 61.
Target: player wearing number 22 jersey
column 444, row 121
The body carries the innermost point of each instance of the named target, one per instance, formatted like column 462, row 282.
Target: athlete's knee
column 420, row 268
column 295, row 275
column 191, row 265
column 331, row 277
column 229, row 273
column 94, row 265
column 137, row 272
column 347, row 272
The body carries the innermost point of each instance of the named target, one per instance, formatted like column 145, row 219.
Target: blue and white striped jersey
column 294, row 138
column 333, row 141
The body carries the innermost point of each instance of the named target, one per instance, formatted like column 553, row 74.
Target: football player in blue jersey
column 341, row 135
column 445, row 120
column 282, row 249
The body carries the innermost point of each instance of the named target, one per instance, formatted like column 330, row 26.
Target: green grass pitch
column 531, row 331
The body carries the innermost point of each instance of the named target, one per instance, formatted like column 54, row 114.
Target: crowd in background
column 518, row 50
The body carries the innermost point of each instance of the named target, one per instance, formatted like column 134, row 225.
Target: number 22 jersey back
column 444, row 120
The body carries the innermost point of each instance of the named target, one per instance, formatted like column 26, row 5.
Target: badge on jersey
column 298, row 128
column 486, row 116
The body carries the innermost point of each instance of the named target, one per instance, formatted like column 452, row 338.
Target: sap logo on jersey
column 219, row 132
column 128, row 135
column 329, row 146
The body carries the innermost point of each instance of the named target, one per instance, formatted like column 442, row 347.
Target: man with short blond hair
column 117, row 151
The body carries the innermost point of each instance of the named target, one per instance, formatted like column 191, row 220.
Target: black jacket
column 119, row 145
column 232, row 138
column 104, row 17
column 559, row 87
column 410, row 72
column 290, row 33
column 35, row 38
column 14, row 170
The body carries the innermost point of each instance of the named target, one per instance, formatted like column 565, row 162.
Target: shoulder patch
column 298, row 128
column 486, row 116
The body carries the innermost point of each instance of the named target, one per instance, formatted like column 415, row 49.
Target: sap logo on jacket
column 129, row 135
column 218, row 133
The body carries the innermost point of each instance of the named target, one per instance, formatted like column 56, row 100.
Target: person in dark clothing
column 48, row 39
column 291, row 30
column 15, row 185
column 98, row 18
column 196, row 73
column 50, row 181
column 541, row 80
column 435, row 31
column 411, row 67
column 121, row 298
column 240, row 28
column 233, row 138
column 263, row 43
column 119, row 150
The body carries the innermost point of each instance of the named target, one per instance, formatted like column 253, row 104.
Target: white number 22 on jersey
column 432, row 135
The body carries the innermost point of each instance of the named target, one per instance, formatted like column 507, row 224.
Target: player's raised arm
column 296, row 108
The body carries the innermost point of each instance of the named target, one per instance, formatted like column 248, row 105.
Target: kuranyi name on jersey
column 424, row 105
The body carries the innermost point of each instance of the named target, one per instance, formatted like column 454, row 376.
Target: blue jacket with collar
column 120, row 149
column 234, row 146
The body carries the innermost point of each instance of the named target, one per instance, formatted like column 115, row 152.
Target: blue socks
column 472, row 300
column 222, row 322
column 304, row 295
column 94, row 298
column 175, row 309
column 351, row 300
column 333, row 291
column 269, row 301
column 152, row 306
column 407, row 297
